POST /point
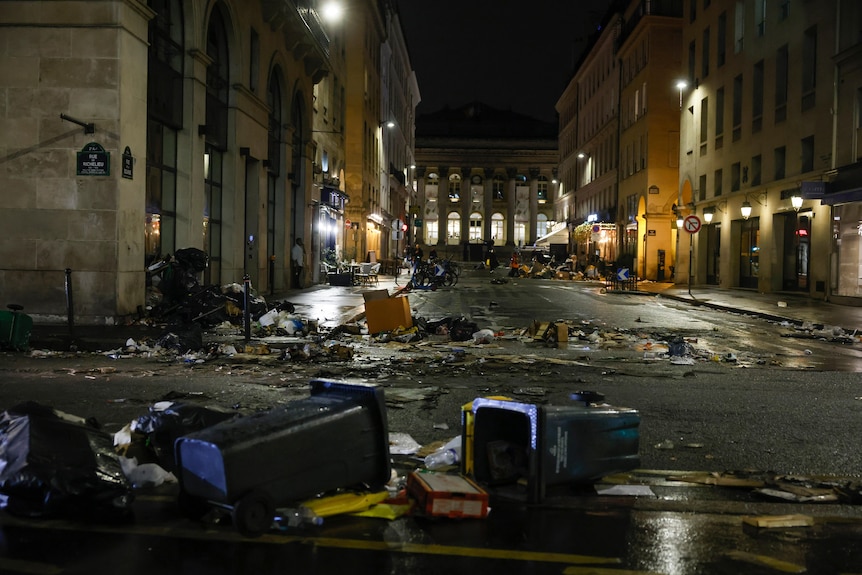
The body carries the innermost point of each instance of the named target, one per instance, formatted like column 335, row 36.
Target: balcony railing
column 303, row 32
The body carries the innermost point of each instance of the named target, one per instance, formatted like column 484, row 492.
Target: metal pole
column 246, row 312
column 690, row 258
column 70, row 310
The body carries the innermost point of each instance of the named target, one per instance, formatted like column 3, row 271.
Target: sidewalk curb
column 721, row 307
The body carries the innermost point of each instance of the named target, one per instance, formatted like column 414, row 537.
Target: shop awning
column 560, row 236
column 842, row 197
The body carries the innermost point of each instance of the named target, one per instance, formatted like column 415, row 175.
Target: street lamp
column 745, row 209
column 681, row 85
column 796, row 202
column 708, row 214
column 332, row 11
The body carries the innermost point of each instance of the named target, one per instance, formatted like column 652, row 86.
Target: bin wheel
column 192, row 507
column 587, row 397
column 253, row 514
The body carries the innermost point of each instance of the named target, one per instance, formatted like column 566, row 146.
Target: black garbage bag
column 462, row 329
column 164, row 426
column 54, row 465
column 183, row 338
column 191, row 259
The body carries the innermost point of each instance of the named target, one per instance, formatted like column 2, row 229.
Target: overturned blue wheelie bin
column 521, row 449
column 337, row 437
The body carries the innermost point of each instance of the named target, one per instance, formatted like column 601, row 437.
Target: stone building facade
column 485, row 177
column 131, row 129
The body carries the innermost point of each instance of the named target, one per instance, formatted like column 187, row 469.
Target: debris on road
column 56, row 464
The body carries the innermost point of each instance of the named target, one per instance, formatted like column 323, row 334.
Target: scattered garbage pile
column 56, row 464
column 255, row 469
column 175, row 295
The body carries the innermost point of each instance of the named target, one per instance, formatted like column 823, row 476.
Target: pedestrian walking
column 297, row 256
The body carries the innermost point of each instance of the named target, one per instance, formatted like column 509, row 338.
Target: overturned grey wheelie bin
column 337, row 437
column 519, row 450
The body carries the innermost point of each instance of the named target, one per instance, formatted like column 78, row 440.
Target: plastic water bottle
column 297, row 517
column 449, row 454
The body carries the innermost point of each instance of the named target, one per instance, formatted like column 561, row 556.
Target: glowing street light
column 681, row 85
column 796, row 202
column 332, row 11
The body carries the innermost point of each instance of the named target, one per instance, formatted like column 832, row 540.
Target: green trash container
column 521, row 449
column 15, row 328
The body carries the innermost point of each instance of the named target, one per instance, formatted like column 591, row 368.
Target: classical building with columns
column 485, row 176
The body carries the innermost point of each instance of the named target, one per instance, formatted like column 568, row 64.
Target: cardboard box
column 388, row 314
column 542, row 330
column 446, row 495
column 375, row 294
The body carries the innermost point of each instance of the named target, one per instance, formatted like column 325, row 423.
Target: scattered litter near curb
column 782, row 304
column 721, row 480
column 402, row 444
column 682, row 360
column 772, row 521
column 626, row 490
column 145, row 474
column 788, row 493
column 666, row 444
column 55, row 464
column 483, row 336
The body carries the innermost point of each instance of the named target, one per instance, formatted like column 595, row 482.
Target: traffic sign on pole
column 691, row 224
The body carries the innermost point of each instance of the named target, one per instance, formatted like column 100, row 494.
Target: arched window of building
column 432, row 232
column 455, row 188
column 453, row 229
column 542, row 189
column 541, row 225
column 499, row 187
column 520, row 233
column 275, row 201
column 475, row 226
column 164, row 121
column 432, row 187
column 497, row 228
column 215, row 145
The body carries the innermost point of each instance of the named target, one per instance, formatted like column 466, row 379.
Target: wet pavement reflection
column 681, row 530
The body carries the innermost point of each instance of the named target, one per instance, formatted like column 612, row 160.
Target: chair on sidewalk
column 373, row 274
column 364, row 274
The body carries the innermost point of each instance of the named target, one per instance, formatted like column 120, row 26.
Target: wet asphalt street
column 714, row 435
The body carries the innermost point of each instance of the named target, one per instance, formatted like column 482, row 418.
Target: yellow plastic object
column 467, row 434
column 344, row 503
column 389, row 511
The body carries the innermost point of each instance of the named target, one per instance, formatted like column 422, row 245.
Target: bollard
column 246, row 312
column 70, row 310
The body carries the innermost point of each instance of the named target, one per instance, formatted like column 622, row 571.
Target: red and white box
column 447, row 495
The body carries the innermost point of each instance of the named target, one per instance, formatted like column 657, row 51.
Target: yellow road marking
column 603, row 571
column 451, row 550
column 766, row 561
column 228, row 535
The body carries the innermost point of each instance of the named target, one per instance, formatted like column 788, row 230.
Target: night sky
column 510, row 55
